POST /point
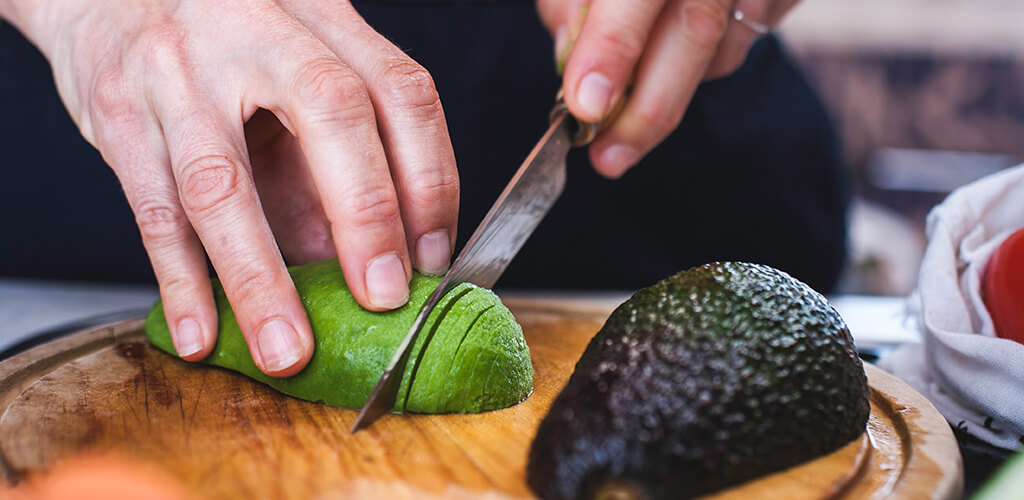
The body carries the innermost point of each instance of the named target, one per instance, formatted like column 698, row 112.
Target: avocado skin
column 476, row 359
column 707, row 379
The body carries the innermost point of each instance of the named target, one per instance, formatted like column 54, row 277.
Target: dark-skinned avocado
column 707, row 379
column 476, row 359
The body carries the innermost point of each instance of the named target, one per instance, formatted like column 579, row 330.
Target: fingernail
column 617, row 158
column 594, row 95
column 188, row 338
column 279, row 345
column 561, row 41
column 386, row 285
column 433, row 252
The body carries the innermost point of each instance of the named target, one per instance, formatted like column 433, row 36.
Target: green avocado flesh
column 709, row 378
column 476, row 359
column 1007, row 483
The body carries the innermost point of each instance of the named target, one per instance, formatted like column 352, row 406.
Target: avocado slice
column 476, row 358
column 1007, row 483
column 709, row 378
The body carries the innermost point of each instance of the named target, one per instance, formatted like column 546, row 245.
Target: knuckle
column 410, row 85
column 705, row 21
column 433, row 189
column 371, row 207
column 622, row 44
column 179, row 288
column 250, row 285
column 327, row 83
column 209, row 181
column 163, row 47
column 661, row 119
column 109, row 93
column 159, row 220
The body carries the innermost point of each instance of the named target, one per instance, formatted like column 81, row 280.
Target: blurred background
column 927, row 95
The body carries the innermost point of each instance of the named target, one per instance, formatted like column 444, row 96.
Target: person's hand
column 348, row 145
column 661, row 49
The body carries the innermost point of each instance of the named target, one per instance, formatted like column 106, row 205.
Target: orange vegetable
column 96, row 477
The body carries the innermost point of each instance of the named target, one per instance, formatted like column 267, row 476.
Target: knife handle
column 585, row 131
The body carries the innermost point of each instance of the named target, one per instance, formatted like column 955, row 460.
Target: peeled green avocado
column 476, row 359
column 1007, row 483
column 709, row 378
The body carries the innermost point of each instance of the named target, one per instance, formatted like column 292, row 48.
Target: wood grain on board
column 223, row 436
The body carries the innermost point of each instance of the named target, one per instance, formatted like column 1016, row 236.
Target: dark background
column 753, row 173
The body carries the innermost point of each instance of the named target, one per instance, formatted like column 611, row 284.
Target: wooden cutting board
column 224, row 436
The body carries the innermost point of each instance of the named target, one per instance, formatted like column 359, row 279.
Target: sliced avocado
column 709, row 378
column 476, row 359
column 1007, row 483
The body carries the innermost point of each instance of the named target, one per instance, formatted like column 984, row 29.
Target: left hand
column 662, row 49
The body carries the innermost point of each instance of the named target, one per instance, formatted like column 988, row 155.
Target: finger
column 210, row 166
column 287, row 192
column 563, row 19
column 330, row 111
column 735, row 45
column 132, row 145
column 412, row 129
column 613, row 37
column 775, row 10
column 552, row 13
column 681, row 46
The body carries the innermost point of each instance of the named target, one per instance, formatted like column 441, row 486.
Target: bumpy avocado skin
column 709, row 378
column 476, row 360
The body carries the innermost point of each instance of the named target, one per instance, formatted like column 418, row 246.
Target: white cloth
column 974, row 378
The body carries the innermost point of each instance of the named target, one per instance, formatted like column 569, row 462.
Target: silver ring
column 756, row 27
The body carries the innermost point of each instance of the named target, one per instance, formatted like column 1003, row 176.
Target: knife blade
column 525, row 201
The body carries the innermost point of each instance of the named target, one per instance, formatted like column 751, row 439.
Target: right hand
column 661, row 49
column 351, row 156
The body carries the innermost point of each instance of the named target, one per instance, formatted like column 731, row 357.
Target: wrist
column 35, row 19
column 17, row 12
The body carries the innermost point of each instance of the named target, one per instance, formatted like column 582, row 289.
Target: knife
column 525, row 201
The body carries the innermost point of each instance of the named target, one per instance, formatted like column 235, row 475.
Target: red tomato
column 1003, row 287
